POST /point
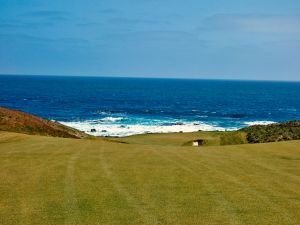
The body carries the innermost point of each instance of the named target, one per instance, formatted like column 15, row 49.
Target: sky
column 212, row 39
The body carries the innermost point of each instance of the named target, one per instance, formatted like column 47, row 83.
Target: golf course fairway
column 51, row 180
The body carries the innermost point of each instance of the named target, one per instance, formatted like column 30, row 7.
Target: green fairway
column 150, row 179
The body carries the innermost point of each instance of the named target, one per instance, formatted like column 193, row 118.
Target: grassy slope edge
column 286, row 131
column 20, row 122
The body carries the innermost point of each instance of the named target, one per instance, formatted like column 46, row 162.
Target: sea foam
column 252, row 123
column 122, row 130
column 112, row 119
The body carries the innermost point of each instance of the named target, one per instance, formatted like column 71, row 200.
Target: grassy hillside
column 20, row 122
column 273, row 132
column 46, row 180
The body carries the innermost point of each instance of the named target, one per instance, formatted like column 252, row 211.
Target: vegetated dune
column 20, row 122
column 285, row 131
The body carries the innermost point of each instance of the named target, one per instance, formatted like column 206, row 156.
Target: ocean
column 129, row 106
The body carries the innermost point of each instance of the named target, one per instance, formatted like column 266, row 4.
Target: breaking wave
column 252, row 123
column 122, row 126
column 112, row 119
column 122, row 130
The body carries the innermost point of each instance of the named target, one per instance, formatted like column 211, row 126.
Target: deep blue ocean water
column 125, row 106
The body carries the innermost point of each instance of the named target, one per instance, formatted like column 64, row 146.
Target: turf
column 173, row 139
column 47, row 180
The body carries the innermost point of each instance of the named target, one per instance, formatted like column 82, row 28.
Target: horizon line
column 147, row 77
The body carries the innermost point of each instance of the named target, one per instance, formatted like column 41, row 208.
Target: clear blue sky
column 227, row 39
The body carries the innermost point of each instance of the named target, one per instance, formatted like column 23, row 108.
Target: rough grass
column 274, row 132
column 21, row 122
column 56, row 181
column 233, row 138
